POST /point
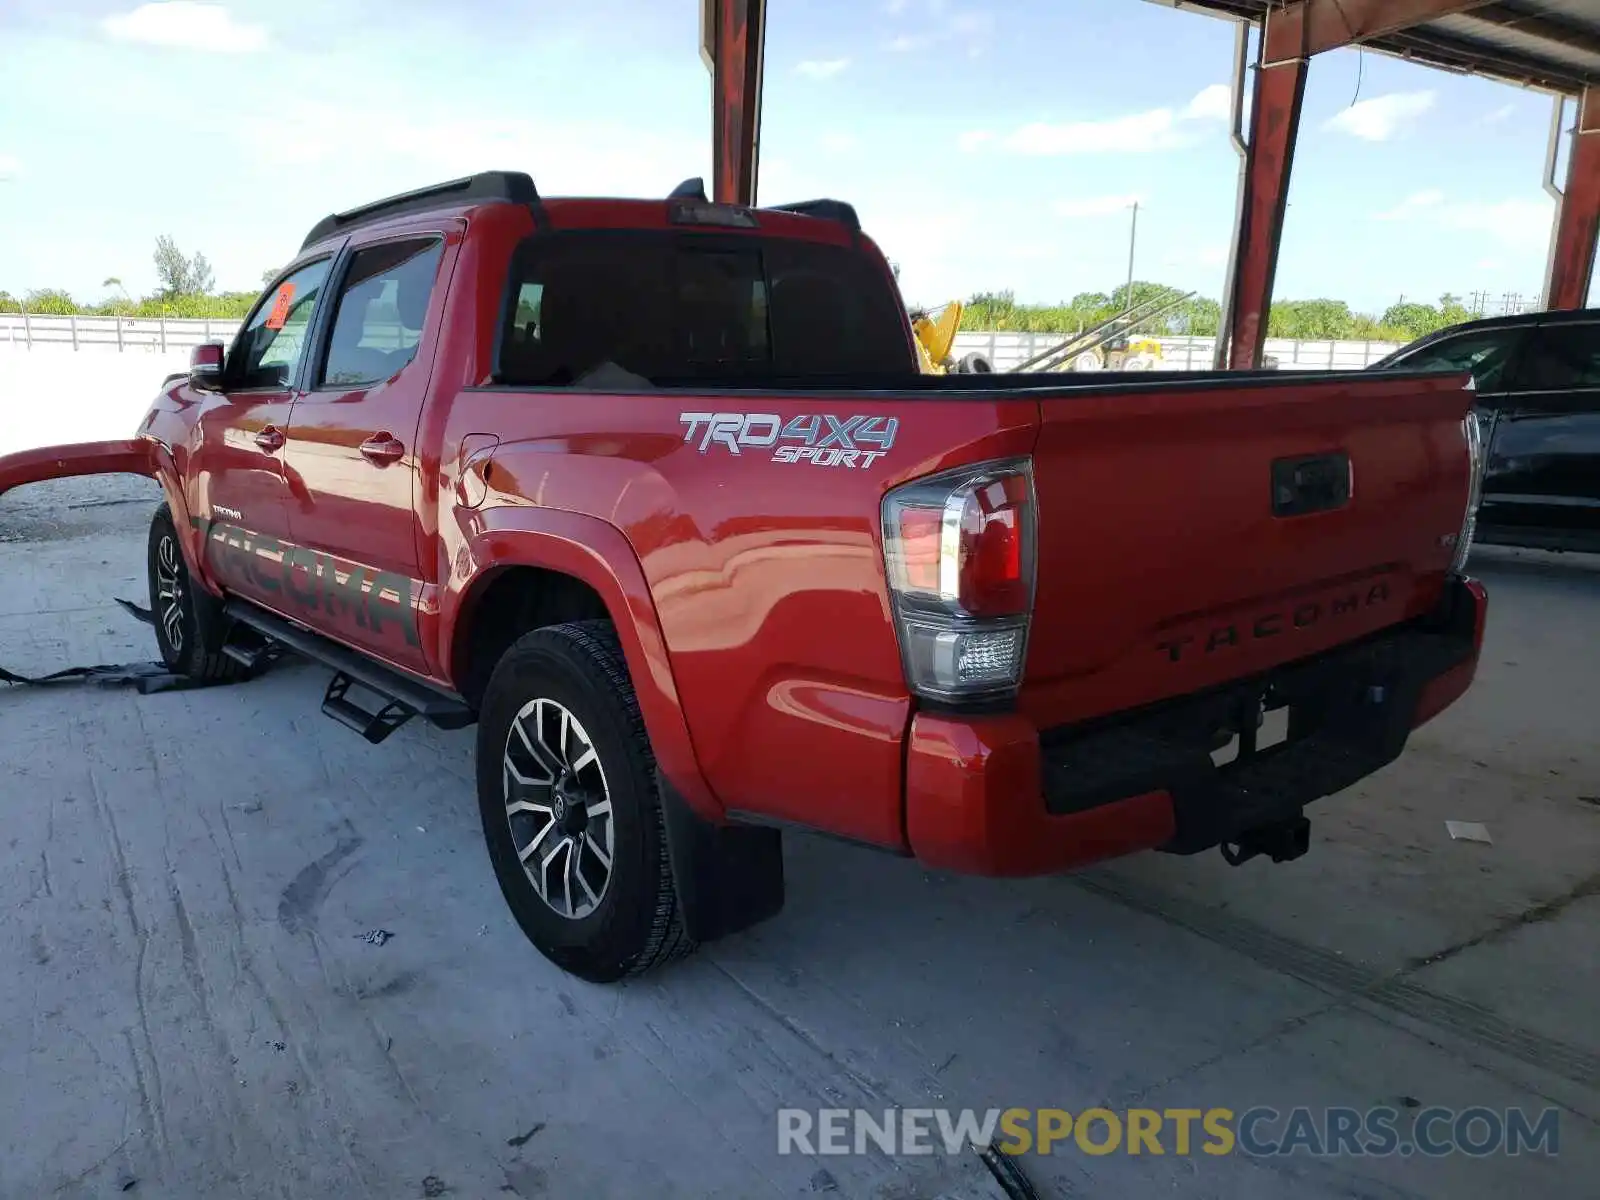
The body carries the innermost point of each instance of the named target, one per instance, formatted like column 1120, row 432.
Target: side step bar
column 402, row 697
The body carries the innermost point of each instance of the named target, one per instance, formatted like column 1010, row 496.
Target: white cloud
column 1212, row 256
column 822, row 68
column 1379, row 119
column 1214, row 103
column 974, row 139
column 895, row 7
column 1095, row 206
column 1500, row 115
column 187, row 25
column 1412, row 205
column 1133, row 133
column 840, row 143
column 971, row 24
column 1137, row 133
column 937, row 23
column 1520, row 222
column 10, row 167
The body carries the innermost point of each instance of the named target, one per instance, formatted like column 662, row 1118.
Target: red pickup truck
column 653, row 493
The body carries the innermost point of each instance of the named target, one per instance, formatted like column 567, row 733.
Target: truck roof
column 821, row 219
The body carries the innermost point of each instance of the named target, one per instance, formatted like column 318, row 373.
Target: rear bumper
column 994, row 795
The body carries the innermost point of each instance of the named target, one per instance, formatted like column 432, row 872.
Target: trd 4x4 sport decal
column 822, row 440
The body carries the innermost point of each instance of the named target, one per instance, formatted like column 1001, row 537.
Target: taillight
column 959, row 550
column 1472, row 433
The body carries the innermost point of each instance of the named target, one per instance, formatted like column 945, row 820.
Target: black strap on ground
column 147, row 677
column 1007, row 1173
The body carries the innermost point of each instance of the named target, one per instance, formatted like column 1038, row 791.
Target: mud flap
column 728, row 877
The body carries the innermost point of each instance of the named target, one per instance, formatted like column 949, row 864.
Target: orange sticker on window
column 279, row 315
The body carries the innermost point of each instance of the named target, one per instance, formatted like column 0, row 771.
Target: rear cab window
column 676, row 308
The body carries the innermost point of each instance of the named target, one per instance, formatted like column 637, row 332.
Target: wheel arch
column 581, row 567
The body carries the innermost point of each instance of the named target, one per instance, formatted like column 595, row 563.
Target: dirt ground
column 191, row 1009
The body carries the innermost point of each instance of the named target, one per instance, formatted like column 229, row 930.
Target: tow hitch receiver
column 1283, row 842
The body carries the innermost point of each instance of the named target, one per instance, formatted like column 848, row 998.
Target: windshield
column 693, row 307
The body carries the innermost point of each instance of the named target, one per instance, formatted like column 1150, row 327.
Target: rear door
column 352, row 444
column 1543, row 482
column 236, row 474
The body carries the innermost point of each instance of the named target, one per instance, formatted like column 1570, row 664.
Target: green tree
column 180, row 275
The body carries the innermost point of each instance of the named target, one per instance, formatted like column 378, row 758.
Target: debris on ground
column 1007, row 1173
column 523, row 1139
column 1468, row 831
column 374, row 937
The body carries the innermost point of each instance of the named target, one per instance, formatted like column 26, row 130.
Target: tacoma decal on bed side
column 821, row 439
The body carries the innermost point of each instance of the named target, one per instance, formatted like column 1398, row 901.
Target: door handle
column 381, row 449
column 270, row 439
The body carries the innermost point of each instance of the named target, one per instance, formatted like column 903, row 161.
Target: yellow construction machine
column 935, row 331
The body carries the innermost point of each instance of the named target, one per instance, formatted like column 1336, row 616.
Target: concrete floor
column 190, row 1012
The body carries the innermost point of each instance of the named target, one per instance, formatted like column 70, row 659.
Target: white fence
column 159, row 334
column 1008, row 350
column 1004, row 350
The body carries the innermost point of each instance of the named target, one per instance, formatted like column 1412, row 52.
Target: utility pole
column 1133, row 241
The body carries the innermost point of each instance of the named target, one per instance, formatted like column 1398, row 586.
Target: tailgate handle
column 1317, row 483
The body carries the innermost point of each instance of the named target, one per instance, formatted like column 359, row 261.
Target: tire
column 975, row 364
column 560, row 706
column 189, row 622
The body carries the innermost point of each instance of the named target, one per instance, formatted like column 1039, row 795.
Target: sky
column 988, row 145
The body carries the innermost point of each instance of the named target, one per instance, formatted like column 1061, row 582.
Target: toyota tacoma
column 653, row 494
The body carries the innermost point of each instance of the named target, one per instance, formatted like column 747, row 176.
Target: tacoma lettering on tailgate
column 1267, row 625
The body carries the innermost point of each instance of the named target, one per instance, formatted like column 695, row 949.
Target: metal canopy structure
column 1550, row 45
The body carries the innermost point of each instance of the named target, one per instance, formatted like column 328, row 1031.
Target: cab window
column 675, row 309
column 269, row 349
column 382, row 304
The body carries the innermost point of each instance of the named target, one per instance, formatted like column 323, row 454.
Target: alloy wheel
column 559, row 808
column 169, row 591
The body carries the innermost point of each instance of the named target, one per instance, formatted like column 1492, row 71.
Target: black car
column 1538, row 379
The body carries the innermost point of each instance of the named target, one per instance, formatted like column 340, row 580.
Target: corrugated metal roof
column 1551, row 44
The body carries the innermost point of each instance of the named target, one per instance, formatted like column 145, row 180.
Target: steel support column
column 735, row 31
column 1280, row 90
column 1577, row 221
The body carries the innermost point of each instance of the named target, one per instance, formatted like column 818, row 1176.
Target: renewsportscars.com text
column 1261, row 1131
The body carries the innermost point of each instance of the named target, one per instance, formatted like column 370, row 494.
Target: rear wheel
column 571, row 813
column 189, row 622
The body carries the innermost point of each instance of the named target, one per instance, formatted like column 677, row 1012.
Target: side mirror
column 205, row 366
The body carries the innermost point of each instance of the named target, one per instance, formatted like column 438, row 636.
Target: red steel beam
column 1280, row 90
column 738, row 37
column 1316, row 26
column 1572, row 250
column 1290, row 36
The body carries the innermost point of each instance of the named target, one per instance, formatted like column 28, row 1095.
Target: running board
column 402, row 697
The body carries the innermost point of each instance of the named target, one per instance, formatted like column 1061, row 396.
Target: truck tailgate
column 1192, row 533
